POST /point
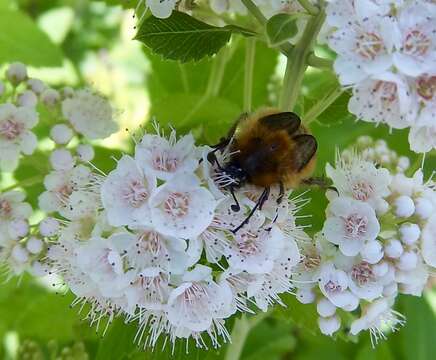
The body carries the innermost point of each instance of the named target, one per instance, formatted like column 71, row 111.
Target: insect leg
column 281, row 193
column 259, row 203
column 320, row 182
column 235, row 207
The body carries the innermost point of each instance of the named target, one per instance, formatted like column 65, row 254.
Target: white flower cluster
column 378, row 240
column 159, row 247
column 80, row 112
column 387, row 53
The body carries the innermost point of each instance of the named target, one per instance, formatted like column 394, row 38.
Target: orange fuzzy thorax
column 252, row 145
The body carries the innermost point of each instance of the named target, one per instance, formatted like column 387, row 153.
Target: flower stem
column 322, row 105
column 254, row 10
column 250, row 52
column 320, row 63
column 309, row 7
column 297, row 62
column 240, row 332
column 26, row 182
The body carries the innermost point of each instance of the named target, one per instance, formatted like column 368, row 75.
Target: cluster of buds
column 378, row 241
column 158, row 245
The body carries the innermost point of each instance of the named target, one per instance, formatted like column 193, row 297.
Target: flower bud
column 34, row 245
column 27, row 98
column 50, row 97
column 19, row 254
column 408, row 261
column 325, row 308
column 372, row 252
column 36, row 85
column 305, row 296
column 16, row 73
column 61, row 159
column 380, row 269
column 67, row 92
column 85, row 152
column 330, row 325
column 365, row 141
column 61, row 134
column 409, row 233
column 391, row 290
column 394, row 249
column 404, row 206
column 403, row 163
column 424, row 208
column 49, row 226
column 18, row 228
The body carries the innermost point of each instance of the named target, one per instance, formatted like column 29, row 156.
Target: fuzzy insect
column 267, row 148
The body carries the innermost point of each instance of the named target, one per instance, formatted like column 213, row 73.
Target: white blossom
column 125, row 194
column 350, row 224
column 90, row 114
column 15, row 134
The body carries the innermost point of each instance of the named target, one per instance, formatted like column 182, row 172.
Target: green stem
column 320, row 63
column 254, row 10
column 27, row 182
column 309, row 7
column 250, row 52
column 217, row 73
column 297, row 62
column 239, row 335
column 322, row 105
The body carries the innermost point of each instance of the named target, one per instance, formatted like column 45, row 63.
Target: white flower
column 416, row 46
column 377, row 317
column 89, row 114
column 12, row 207
column 422, row 139
column 255, row 249
column 360, row 180
column 333, row 283
column 147, row 248
column 364, row 49
column 101, row 261
column 71, row 193
column 385, row 98
column 363, row 282
column 350, row 224
column 182, row 208
column 166, row 158
column 125, row 193
column 149, row 290
column 199, row 301
column 265, row 290
column 15, row 134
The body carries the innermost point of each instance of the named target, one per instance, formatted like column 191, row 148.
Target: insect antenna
column 262, row 199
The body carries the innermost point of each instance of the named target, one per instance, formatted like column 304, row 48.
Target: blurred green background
column 84, row 42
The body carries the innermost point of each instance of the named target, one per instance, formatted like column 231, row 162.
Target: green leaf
column 21, row 40
column 118, row 342
column 281, row 28
column 272, row 339
column 181, row 37
column 34, row 312
column 208, row 118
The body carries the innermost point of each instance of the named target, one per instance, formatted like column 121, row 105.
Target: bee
column 267, row 148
